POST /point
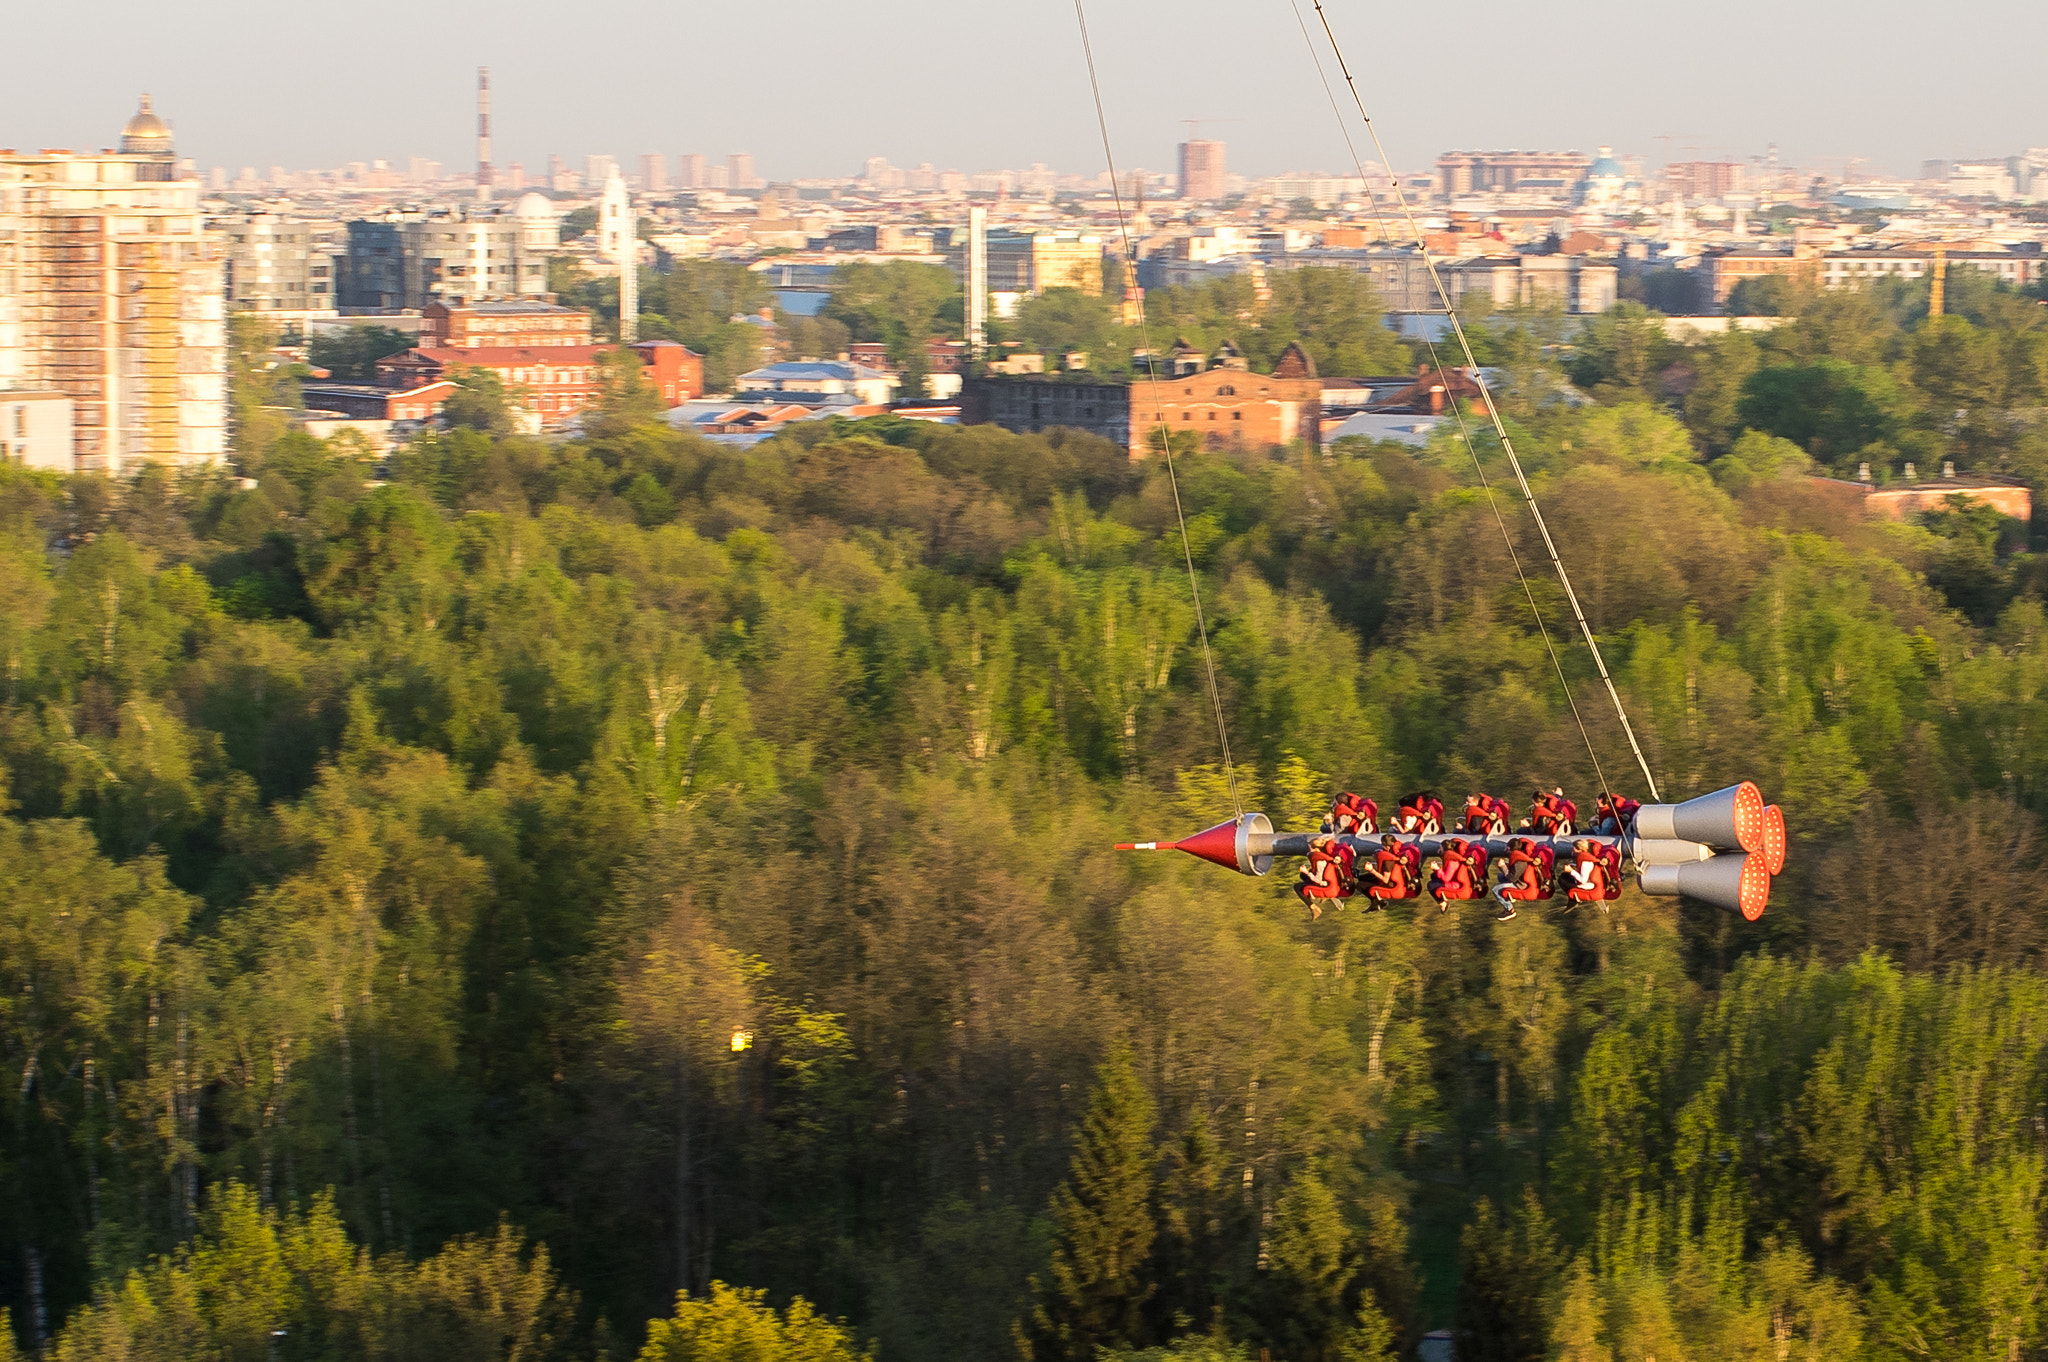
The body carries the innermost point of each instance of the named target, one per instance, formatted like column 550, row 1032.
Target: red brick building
column 553, row 381
column 1219, row 407
column 515, row 323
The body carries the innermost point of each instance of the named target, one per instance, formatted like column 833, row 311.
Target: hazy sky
column 812, row 88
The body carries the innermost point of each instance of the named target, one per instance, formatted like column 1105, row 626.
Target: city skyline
column 1970, row 98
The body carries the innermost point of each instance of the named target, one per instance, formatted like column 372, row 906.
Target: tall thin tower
column 977, row 281
column 618, row 236
column 485, row 176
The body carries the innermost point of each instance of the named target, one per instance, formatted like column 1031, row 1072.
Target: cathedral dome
column 146, row 134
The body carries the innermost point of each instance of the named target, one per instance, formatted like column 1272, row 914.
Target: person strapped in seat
column 1395, row 872
column 1328, row 873
column 1594, row 876
column 1460, row 876
column 1614, row 815
column 1420, row 814
column 1526, row 877
column 1485, row 815
column 1352, row 816
column 1551, row 814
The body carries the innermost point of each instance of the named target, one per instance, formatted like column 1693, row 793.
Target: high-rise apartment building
column 1704, row 179
column 739, row 169
column 280, row 264
column 597, row 169
column 111, row 294
column 654, row 173
column 469, row 254
column 690, row 170
column 1478, row 172
column 1201, row 170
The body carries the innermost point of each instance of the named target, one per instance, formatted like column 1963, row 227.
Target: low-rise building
column 504, row 322
column 35, row 429
column 551, row 382
column 1218, row 407
column 817, row 383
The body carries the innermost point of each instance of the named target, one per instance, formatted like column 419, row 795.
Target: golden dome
column 146, row 133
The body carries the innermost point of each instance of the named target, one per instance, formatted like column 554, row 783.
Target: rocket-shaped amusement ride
column 1721, row 849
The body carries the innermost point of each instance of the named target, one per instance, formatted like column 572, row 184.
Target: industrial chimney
column 485, row 176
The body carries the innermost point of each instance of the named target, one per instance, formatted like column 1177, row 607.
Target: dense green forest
column 449, row 907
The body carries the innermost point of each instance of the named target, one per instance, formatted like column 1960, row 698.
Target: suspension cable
column 1486, row 396
column 1158, row 406
column 1458, row 414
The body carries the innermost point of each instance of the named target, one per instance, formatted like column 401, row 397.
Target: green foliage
column 480, row 401
column 255, row 1283
column 263, row 390
column 900, row 303
column 351, row 353
column 1768, row 295
column 738, row 1325
column 438, row 842
column 1103, row 1219
column 1830, row 408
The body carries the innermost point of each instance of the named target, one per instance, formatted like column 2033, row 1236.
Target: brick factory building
column 1222, row 405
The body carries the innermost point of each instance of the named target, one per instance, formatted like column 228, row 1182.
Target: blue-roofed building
column 817, row 383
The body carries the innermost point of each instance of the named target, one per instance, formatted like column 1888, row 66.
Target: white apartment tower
column 618, row 236
column 111, row 294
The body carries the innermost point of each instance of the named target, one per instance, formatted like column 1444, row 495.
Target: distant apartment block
column 690, row 170
column 1202, row 171
column 1025, row 264
column 739, row 171
column 1704, row 179
column 111, row 294
column 1469, row 172
column 654, row 173
column 281, row 264
column 469, row 253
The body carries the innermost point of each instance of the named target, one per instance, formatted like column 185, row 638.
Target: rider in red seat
column 1352, row 815
column 1486, row 815
column 1593, row 878
column 1525, row 878
column 1392, row 874
column 1421, row 814
column 1326, row 874
column 1461, row 874
column 1614, row 814
column 1551, row 814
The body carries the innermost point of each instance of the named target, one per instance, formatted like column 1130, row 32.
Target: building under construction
column 111, row 294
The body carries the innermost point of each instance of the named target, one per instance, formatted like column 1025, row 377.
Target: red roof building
column 555, row 382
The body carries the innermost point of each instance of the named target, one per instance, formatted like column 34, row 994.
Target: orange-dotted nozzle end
column 1774, row 839
column 1749, row 817
column 1756, row 889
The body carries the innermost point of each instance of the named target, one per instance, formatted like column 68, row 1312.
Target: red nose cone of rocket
column 1217, row 845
